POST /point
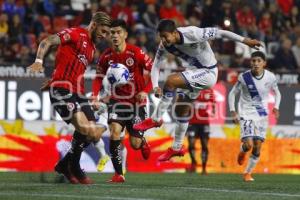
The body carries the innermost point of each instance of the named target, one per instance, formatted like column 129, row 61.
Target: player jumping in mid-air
column 127, row 104
column 191, row 45
column 254, row 87
column 76, row 47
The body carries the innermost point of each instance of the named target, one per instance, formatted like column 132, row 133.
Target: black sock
column 79, row 143
column 116, row 158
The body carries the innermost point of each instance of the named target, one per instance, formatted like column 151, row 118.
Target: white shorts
column 256, row 129
column 101, row 120
column 199, row 79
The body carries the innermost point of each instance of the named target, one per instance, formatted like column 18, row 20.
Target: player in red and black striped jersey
column 75, row 51
column 199, row 127
column 126, row 106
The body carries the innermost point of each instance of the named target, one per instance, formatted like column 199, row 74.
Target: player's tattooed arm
column 52, row 40
column 37, row 66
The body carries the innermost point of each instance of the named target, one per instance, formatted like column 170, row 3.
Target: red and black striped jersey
column 73, row 56
column 136, row 61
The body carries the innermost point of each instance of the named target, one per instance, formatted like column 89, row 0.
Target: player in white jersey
column 190, row 44
column 254, row 87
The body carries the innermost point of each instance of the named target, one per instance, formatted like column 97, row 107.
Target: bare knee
column 115, row 135
column 256, row 151
column 247, row 146
column 169, row 84
column 97, row 133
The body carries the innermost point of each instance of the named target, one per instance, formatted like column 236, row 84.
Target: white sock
column 180, row 131
column 124, row 157
column 163, row 105
column 253, row 160
column 100, row 146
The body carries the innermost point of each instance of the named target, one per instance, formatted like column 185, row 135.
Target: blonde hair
column 101, row 18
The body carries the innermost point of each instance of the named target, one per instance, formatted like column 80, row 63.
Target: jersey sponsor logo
column 129, row 61
column 196, row 76
column 83, row 59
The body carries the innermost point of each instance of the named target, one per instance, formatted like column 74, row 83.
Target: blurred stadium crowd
column 23, row 23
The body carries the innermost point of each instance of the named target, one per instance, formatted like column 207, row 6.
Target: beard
column 94, row 36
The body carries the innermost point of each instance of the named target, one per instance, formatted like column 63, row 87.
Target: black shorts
column 198, row 130
column 126, row 115
column 67, row 103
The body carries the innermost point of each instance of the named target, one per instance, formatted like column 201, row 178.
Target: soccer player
column 127, row 102
column 190, row 44
column 254, row 87
column 101, row 117
column 76, row 47
column 199, row 127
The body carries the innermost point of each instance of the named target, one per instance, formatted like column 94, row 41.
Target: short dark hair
column 119, row 22
column 258, row 54
column 166, row 25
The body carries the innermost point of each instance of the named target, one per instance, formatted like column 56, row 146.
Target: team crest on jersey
column 70, row 106
column 129, row 61
column 67, row 37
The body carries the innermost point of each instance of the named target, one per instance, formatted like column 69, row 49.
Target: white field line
column 3, row 185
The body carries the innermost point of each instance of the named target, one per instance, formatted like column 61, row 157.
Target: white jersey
column 194, row 50
column 254, row 94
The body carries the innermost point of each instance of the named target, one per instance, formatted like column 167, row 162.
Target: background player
column 199, row 127
column 254, row 87
column 101, row 117
column 190, row 44
column 75, row 51
column 127, row 103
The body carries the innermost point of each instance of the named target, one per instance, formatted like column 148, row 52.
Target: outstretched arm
column 253, row 43
column 43, row 48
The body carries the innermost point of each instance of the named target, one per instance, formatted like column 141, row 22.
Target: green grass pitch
column 34, row 186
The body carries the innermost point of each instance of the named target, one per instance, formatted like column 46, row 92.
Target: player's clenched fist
column 36, row 68
column 235, row 117
column 157, row 92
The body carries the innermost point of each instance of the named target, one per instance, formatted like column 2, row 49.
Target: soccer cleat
column 80, row 174
column 170, row 153
column 102, row 162
column 117, row 178
column 191, row 168
column 204, row 172
column 63, row 168
column 147, row 124
column 241, row 158
column 247, row 177
column 145, row 150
